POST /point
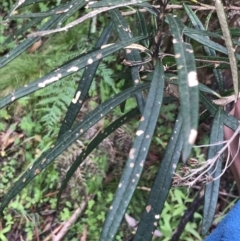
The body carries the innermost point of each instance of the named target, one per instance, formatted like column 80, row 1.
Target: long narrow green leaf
column 22, row 30
column 94, row 143
column 142, row 27
column 67, row 139
column 63, row 8
column 67, row 69
column 228, row 120
column 210, row 52
column 202, row 88
column 209, row 43
column 27, row 43
column 188, row 30
column 162, row 184
column 201, row 39
column 74, row 6
column 84, row 85
column 24, row 4
column 195, row 22
column 188, row 84
column 212, row 188
column 150, row 8
column 131, row 56
column 137, row 156
column 108, row 3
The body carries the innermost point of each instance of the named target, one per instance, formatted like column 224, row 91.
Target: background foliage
column 137, row 77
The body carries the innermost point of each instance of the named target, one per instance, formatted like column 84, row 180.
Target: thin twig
column 203, row 170
column 71, row 221
column 80, row 20
column 187, row 216
column 220, row 192
column 177, row 6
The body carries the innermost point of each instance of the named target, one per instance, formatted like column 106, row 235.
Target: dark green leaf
column 84, row 85
column 212, row 188
column 137, row 156
column 188, row 84
column 210, row 52
column 228, row 120
column 162, row 184
column 142, row 27
column 132, row 56
column 110, row 3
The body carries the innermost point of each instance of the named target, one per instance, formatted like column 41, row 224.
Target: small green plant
column 172, row 213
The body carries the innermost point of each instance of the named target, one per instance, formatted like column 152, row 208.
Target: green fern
column 53, row 103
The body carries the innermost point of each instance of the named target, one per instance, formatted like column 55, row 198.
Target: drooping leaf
column 132, row 56
column 137, row 156
column 107, row 3
column 228, row 120
column 142, row 27
column 209, row 43
column 210, row 52
column 188, row 84
column 202, row 88
column 212, row 188
column 84, row 85
column 162, row 184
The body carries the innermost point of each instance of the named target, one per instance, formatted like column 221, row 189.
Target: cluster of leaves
column 140, row 53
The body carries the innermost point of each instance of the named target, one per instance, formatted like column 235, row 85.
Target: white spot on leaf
column 139, row 132
column 73, row 69
column 131, row 153
column 75, row 99
column 49, row 81
column 90, row 61
column 174, row 41
column 192, row 79
column 136, row 81
column 189, row 50
column 192, row 136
